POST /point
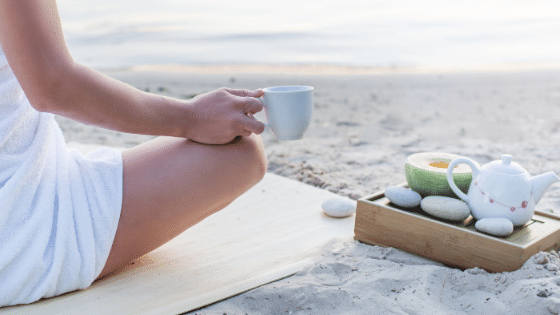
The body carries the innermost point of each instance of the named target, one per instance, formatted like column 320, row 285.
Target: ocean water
column 397, row 33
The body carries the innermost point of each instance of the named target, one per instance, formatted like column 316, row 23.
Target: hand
column 218, row 117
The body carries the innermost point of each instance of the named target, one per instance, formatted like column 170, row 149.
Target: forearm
column 92, row 98
column 32, row 40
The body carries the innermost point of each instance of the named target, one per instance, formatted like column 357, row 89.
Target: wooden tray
column 458, row 244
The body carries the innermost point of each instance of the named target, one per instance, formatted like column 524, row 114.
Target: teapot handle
column 450, row 180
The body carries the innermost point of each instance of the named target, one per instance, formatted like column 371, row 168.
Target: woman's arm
column 32, row 39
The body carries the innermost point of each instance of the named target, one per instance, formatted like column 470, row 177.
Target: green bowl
column 426, row 173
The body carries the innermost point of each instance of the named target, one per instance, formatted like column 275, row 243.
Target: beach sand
column 365, row 123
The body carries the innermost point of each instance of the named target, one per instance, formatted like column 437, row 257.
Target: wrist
column 185, row 119
column 176, row 119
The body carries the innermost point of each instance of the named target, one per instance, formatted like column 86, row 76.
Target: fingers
column 247, row 101
column 245, row 93
column 246, row 133
column 252, row 105
column 248, row 104
column 252, row 125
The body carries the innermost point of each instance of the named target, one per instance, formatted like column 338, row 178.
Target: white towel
column 59, row 209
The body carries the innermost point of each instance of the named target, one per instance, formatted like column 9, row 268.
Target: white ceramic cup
column 288, row 110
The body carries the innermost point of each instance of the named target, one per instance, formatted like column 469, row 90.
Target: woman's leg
column 170, row 184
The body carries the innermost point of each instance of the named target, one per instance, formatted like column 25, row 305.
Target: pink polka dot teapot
column 502, row 189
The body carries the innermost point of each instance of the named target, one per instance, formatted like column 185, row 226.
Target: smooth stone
column 495, row 226
column 446, row 208
column 403, row 197
column 339, row 207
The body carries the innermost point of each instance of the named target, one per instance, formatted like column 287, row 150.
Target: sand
column 364, row 126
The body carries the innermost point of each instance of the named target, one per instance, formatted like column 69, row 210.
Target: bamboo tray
column 457, row 244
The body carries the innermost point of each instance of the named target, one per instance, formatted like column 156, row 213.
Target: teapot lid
column 505, row 166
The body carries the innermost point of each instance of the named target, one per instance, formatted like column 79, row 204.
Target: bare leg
column 170, row 184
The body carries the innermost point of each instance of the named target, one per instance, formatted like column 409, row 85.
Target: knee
column 254, row 157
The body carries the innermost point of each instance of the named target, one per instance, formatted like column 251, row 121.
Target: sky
column 357, row 33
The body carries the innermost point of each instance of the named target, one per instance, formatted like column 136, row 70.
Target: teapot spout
column 541, row 183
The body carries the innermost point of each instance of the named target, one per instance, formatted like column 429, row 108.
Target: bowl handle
column 450, row 180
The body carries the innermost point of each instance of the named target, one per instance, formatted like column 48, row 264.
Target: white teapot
column 502, row 189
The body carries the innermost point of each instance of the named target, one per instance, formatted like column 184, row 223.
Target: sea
column 114, row 34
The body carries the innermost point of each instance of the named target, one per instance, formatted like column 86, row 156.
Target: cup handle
column 450, row 180
column 264, row 104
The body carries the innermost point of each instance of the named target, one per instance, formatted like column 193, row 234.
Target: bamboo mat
column 273, row 231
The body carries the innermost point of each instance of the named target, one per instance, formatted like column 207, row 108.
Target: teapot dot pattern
column 523, row 204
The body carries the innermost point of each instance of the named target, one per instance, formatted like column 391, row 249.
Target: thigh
column 170, row 184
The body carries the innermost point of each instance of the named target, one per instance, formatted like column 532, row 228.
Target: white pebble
column 476, row 271
column 495, row 226
column 403, row 197
column 339, row 207
column 446, row 208
column 541, row 258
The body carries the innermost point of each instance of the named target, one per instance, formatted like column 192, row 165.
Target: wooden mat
column 271, row 232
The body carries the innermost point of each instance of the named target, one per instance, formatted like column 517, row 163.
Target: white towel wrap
column 59, row 209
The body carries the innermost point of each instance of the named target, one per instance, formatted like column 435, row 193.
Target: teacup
column 288, row 110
